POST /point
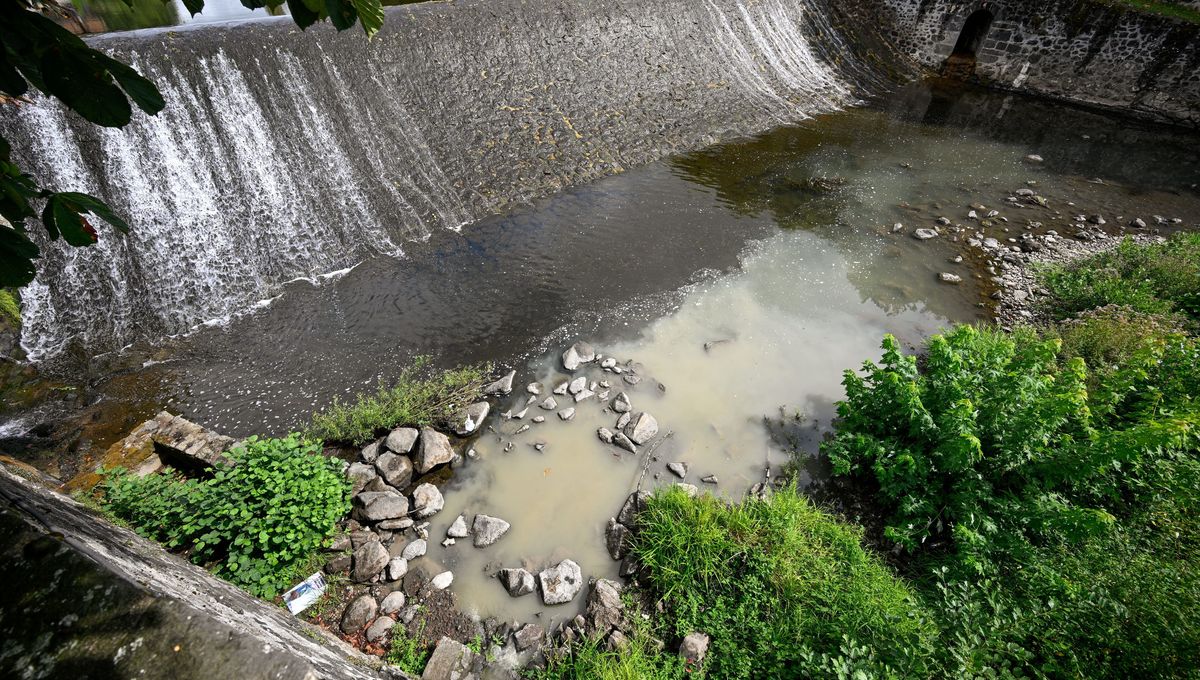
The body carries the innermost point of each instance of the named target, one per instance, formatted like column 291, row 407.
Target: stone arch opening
column 961, row 62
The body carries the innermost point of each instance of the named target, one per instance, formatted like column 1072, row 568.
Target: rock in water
column 634, row 503
column 435, row 450
column 501, row 386
column 549, row 404
column 427, row 500
column 458, row 529
column 616, row 539
column 358, row 614
column 395, row 469
column 624, row 420
column 622, row 441
column 414, row 549
column 605, row 435
column 679, row 469
column 369, row 560
column 947, row 277
column 577, row 385
column 579, row 353
column 642, row 428
column 470, row 418
column 401, row 440
column 709, row 479
column 517, row 582
column 584, row 394
column 567, row 413
column 562, row 388
column 621, row 403
column 442, row 581
column 924, row 234
column 488, row 530
column 561, row 583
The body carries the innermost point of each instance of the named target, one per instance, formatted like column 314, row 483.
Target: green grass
column 407, row 652
column 782, row 588
column 592, row 660
column 1160, row 278
column 416, row 399
column 1166, row 9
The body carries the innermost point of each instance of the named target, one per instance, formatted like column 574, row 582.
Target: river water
column 741, row 280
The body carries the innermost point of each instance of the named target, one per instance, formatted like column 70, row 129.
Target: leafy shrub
column 407, row 652
column 415, row 399
column 1106, row 337
column 254, row 523
column 783, row 589
column 1157, row 278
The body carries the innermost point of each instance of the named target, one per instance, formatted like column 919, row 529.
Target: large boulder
column 561, row 583
column 579, row 353
column 358, row 614
column 401, row 440
column 468, row 420
column 369, row 561
column 488, row 530
column 396, row 470
column 641, row 428
column 605, row 610
column 617, row 539
column 451, row 660
column 360, row 474
column 517, row 582
column 376, row 506
column 427, row 500
column 634, row 503
column 435, row 450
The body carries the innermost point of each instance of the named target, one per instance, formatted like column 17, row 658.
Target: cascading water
column 282, row 156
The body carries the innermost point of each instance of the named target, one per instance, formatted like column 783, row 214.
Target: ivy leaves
column 37, row 53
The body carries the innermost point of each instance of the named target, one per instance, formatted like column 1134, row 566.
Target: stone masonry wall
column 1079, row 50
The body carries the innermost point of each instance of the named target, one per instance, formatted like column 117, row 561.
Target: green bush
column 415, row 399
column 255, row 523
column 783, row 589
column 1159, row 278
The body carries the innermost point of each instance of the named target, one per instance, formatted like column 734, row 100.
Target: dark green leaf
column 140, row 90
column 194, row 6
column 11, row 82
column 97, row 207
column 341, row 13
column 17, row 253
column 301, row 14
column 370, row 14
column 85, row 87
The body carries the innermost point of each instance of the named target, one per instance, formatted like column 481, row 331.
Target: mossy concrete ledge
column 83, row 598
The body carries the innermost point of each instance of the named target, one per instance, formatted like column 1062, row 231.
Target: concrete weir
column 284, row 155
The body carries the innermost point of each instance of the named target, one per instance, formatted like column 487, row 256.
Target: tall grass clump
column 783, row 589
column 417, row 398
column 591, row 659
column 1156, row 278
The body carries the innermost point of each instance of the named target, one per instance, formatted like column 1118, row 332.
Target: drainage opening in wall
column 961, row 62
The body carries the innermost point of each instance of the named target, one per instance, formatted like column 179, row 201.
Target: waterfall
column 283, row 155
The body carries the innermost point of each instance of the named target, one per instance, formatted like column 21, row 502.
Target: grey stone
column 679, row 469
column 442, row 581
column 401, row 440
column 549, row 404
column 566, row 414
column 622, row 441
column 539, row 419
column 468, row 420
column 579, row 353
column 1034, row 158
column 488, row 530
column 399, row 524
column 397, row 567
column 577, row 385
column 605, row 435
column 376, row 506
column 642, row 428
column 621, row 403
column 561, row 583
column 925, row 234
column 435, row 450
column 562, row 387
column 379, row 630
column 618, row 641
column 605, row 610
column 585, row 394
column 370, row 452
column 451, row 660
column 427, row 500
column 529, row 635
column 458, row 529
column 533, row 388
column 369, row 561
column 689, row 489
column 338, row 564
column 360, row 474
column 502, row 386
column 624, row 420
column 395, row 469
column 608, row 362
column 693, row 648
column 414, row 549
column 393, row 603
column 358, row 614
column 616, row 538
column 517, row 582
column 709, row 479
column 947, row 277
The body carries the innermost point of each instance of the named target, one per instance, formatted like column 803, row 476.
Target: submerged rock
column 534, row 388
column 549, row 404
column 585, row 394
column 579, row 353
column 358, row 614
column 435, row 450
column 577, row 385
column 502, row 386
column 947, row 277
column 709, row 479
column 488, row 530
column 517, row 582
column 561, row 583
